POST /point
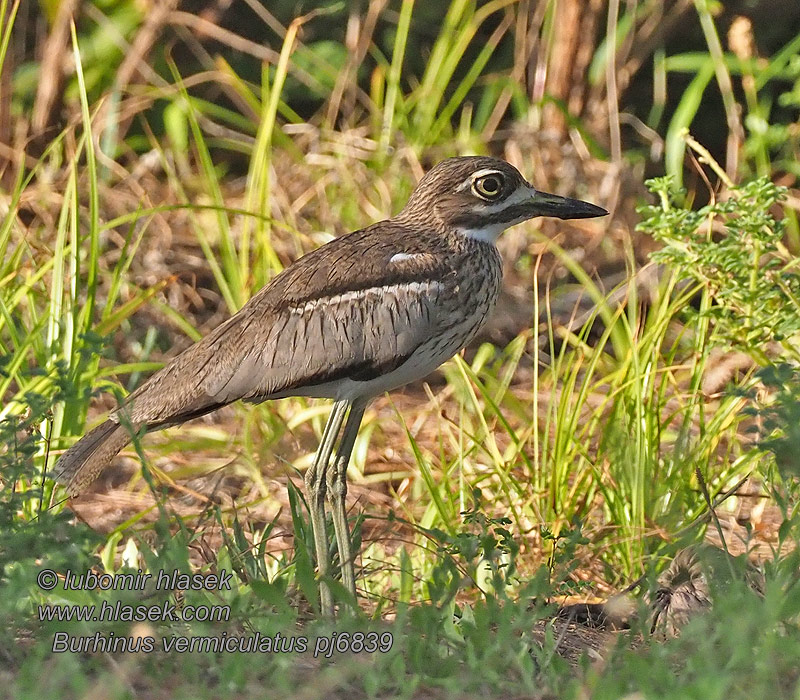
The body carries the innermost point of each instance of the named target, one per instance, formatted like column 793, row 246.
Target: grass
column 559, row 463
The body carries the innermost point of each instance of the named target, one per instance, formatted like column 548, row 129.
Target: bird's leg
column 315, row 490
column 337, row 491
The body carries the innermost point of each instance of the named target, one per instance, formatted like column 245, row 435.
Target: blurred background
column 161, row 161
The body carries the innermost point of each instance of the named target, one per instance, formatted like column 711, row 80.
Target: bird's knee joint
column 337, row 487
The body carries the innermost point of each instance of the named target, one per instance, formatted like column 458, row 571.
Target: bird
column 686, row 588
column 363, row 314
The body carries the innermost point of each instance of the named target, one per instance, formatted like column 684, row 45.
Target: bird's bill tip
column 546, row 204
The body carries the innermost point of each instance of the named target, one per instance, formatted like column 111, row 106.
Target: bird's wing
column 358, row 335
column 311, row 325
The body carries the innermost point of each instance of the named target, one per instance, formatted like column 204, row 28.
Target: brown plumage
column 309, row 329
column 686, row 585
column 363, row 314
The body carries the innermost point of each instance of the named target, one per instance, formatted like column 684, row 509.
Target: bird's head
column 481, row 197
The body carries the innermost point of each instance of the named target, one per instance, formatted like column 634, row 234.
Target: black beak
column 563, row 207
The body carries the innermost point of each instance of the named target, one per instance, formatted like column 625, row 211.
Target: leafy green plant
column 563, row 560
column 734, row 249
column 484, row 550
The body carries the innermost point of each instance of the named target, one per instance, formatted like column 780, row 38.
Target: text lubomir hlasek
column 164, row 580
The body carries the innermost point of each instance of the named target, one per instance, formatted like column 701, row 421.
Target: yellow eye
column 488, row 186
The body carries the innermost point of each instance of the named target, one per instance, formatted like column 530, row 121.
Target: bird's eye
column 488, row 186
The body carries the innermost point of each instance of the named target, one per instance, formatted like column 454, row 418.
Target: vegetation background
column 635, row 393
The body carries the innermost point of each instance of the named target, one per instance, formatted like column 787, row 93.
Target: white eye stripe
column 464, row 185
column 467, row 184
column 487, row 171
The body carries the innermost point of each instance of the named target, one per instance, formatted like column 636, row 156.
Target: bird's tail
column 82, row 463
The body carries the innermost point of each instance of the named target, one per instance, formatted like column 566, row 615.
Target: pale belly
column 424, row 361
column 430, row 355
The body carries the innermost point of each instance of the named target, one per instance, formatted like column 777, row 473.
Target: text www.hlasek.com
column 121, row 612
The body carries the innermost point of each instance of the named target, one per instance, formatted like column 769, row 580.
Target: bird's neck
column 458, row 237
